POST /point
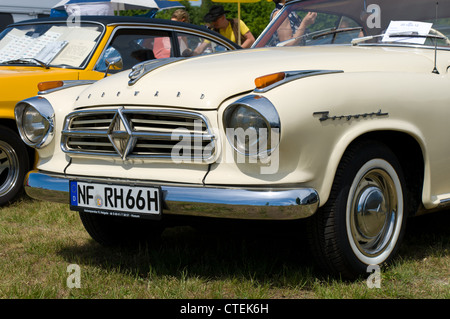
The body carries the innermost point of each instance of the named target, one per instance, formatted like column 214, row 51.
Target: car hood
column 205, row 82
column 8, row 71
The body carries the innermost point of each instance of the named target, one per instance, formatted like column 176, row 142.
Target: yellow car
column 61, row 50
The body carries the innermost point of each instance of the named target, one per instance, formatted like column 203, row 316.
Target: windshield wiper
column 335, row 31
column 363, row 39
column 27, row 61
column 290, row 41
column 317, row 34
column 398, row 35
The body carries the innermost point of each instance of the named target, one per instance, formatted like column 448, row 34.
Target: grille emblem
column 120, row 134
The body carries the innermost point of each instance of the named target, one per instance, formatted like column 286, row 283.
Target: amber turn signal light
column 266, row 80
column 45, row 86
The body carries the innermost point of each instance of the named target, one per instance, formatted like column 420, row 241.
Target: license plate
column 115, row 200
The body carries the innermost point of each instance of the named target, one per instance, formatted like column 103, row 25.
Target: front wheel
column 364, row 219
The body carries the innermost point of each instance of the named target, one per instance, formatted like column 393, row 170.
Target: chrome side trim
column 189, row 200
column 295, row 75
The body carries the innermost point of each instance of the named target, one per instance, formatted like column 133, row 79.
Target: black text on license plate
column 118, row 200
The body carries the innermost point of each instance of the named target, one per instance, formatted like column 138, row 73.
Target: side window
column 191, row 45
column 135, row 46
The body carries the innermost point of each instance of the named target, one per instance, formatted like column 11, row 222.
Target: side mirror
column 114, row 63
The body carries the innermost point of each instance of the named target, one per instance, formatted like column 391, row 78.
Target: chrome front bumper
column 208, row 201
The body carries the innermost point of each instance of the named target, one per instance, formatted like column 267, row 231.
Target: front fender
column 321, row 116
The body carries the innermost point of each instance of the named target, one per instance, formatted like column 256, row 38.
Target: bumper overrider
column 206, row 201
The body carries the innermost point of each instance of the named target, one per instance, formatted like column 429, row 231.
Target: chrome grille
column 135, row 133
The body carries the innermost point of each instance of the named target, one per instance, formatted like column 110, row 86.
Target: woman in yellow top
column 236, row 31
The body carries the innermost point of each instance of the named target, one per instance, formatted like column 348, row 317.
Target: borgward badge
column 120, row 134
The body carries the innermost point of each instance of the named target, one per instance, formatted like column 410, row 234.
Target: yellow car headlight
column 35, row 121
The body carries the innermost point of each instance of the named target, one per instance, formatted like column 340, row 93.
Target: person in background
column 162, row 45
column 180, row 15
column 294, row 26
column 216, row 17
column 278, row 6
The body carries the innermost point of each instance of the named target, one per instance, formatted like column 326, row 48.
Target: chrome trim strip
column 189, row 200
column 295, row 75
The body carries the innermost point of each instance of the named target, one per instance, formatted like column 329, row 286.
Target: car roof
column 125, row 20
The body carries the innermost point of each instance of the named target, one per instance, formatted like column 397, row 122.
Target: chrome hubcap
column 373, row 212
column 9, row 168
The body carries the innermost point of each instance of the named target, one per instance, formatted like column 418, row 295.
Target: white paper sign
column 407, row 27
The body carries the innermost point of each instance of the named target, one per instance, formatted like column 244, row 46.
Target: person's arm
column 249, row 40
column 309, row 19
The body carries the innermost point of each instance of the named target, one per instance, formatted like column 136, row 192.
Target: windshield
column 62, row 45
column 387, row 22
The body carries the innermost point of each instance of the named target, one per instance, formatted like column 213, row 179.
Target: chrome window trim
column 175, row 28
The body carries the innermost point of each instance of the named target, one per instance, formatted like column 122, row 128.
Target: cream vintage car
column 337, row 115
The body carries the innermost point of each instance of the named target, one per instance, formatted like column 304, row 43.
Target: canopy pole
column 239, row 23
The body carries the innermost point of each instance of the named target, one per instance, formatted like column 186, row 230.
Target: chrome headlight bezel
column 258, row 114
column 44, row 113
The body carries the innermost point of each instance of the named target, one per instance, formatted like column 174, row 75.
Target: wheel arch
column 9, row 123
column 410, row 154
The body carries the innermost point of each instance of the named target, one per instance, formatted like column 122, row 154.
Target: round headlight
column 34, row 125
column 35, row 117
column 252, row 126
column 249, row 130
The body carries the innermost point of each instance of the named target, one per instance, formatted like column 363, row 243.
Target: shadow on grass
column 427, row 235
column 263, row 252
